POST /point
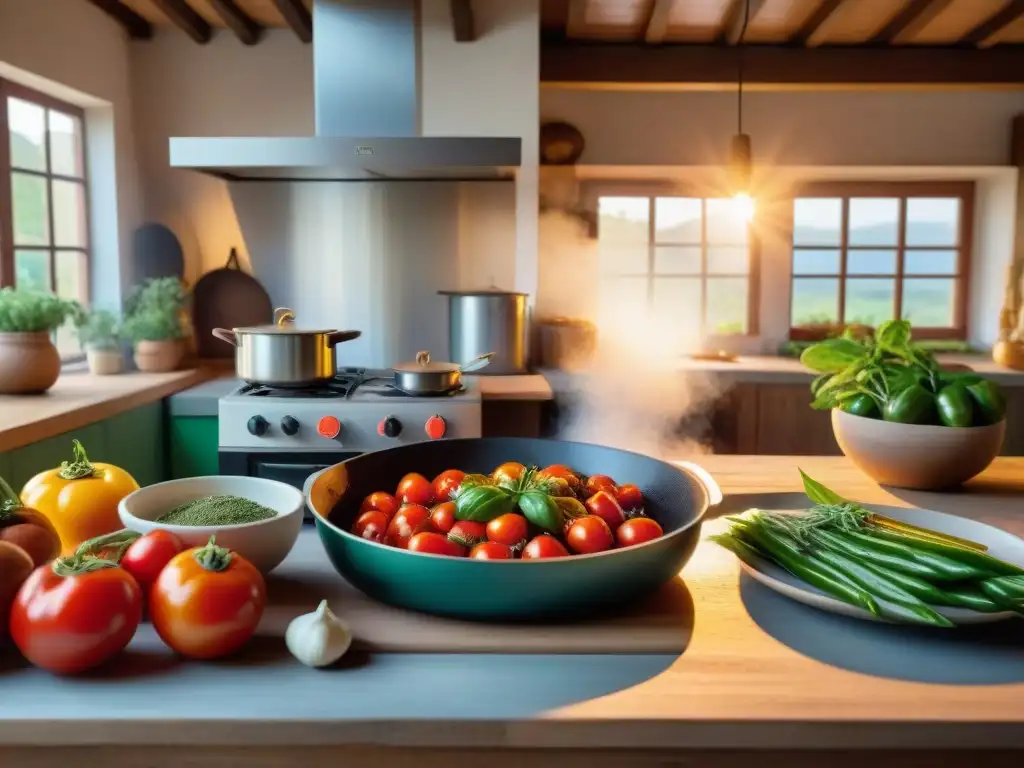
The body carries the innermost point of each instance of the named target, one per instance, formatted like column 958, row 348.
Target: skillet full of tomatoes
column 515, row 512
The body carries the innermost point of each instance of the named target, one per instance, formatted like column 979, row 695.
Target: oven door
column 286, row 467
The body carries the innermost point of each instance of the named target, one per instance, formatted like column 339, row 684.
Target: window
column 44, row 233
column 865, row 253
column 685, row 259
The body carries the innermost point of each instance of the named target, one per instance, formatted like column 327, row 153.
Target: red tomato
column 372, row 525
column 68, row 624
column 597, row 483
column 544, row 546
column 446, row 483
column 442, row 516
column 490, row 550
column 588, row 535
column 629, row 496
column 604, row 505
column 637, row 531
column 432, row 543
column 382, row 502
column 407, row 522
column 415, row 489
column 561, row 472
column 207, row 602
column 146, row 557
column 468, row 533
column 509, row 472
column 509, row 529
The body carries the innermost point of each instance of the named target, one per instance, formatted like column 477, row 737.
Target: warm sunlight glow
column 744, row 205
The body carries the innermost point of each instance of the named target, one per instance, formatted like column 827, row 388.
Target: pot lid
column 284, row 323
column 423, row 364
column 483, row 292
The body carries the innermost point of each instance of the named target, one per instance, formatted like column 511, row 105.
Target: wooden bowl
column 916, row 456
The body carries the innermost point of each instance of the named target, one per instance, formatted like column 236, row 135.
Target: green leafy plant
column 33, row 311
column 98, row 329
column 153, row 311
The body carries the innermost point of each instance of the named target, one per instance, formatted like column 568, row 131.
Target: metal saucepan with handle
column 281, row 355
column 429, row 377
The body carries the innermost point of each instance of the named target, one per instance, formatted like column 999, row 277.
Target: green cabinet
column 193, row 442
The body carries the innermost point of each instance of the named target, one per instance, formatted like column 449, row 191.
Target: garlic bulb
column 318, row 639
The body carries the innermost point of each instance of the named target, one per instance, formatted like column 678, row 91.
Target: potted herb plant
column 29, row 362
column 99, row 333
column 153, row 320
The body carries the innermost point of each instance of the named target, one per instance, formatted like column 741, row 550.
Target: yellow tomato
column 79, row 498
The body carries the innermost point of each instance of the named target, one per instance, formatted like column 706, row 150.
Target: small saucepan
column 429, row 377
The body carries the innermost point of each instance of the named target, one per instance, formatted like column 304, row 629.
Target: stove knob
column 389, row 427
column 328, row 427
column 435, row 427
column 257, row 426
column 289, row 425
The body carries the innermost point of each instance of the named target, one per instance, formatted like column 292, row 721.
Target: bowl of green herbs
column 899, row 415
column 256, row 517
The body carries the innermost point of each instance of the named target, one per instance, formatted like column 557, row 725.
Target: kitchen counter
column 759, row 672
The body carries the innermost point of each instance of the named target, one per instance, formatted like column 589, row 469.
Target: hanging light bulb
column 740, row 153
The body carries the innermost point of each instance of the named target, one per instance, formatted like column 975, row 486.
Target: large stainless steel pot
column 281, row 355
column 489, row 320
column 429, row 377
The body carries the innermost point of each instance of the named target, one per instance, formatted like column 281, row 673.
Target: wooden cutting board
column 661, row 625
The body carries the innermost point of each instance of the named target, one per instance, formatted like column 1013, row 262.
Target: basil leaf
column 483, row 503
column 542, row 510
column 832, row 355
column 893, row 335
column 818, row 493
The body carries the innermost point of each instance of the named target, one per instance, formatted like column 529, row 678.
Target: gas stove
column 358, row 411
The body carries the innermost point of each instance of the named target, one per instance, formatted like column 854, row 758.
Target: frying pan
column 496, row 590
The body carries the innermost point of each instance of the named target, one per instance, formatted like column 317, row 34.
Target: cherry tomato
column 146, row 557
column 561, row 472
column 415, row 489
column 446, row 483
column 468, row 533
column 637, row 531
column 544, row 546
column 509, row 529
column 490, row 550
column 509, row 472
column 207, row 602
column 442, row 516
column 382, row 502
column 604, row 505
column 597, row 483
column 68, row 624
column 409, row 520
column 432, row 543
column 629, row 496
column 372, row 525
column 588, row 535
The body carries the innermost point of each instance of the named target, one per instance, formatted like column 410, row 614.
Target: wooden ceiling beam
column 910, row 20
column 577, row 21
column 595, row 65
column 814, row 31
column 463, row 23
column 135, row 25
column 657, row 21
column 238, row 21
column 987, row 32
column 297, row 17
column 183, row 16
column 732, row 29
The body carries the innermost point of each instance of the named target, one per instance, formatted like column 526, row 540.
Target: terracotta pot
column 29, row 363
column 158, row 356
column 104, row 362
column 916, row 456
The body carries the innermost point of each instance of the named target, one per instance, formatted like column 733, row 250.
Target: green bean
column 1012, row 585
column 945, row 568
column 968, row 596
column 738, row 547
column 908, row 615
column 985, row 563
column 1006, row 595
column 901, row 563
column 918, row 587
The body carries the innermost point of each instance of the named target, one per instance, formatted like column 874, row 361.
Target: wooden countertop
column 79, row 398
column 746, row 680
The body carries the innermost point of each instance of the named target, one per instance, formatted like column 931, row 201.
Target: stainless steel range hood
column 365, row 57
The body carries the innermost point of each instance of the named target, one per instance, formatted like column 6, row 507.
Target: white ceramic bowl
column 264, row 544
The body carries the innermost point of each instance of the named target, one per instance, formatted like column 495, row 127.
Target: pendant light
column 740, row 154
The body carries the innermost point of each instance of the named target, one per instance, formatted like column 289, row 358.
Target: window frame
column 8, row 267
column 592, row 191
column 845, row 190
